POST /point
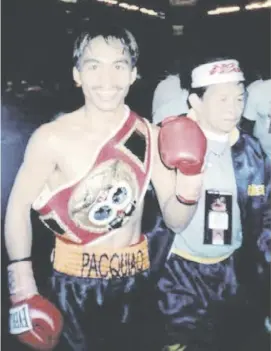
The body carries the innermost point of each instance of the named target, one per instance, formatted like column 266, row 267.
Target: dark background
column 37, row 37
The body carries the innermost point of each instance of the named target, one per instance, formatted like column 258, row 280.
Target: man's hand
column 32, row 318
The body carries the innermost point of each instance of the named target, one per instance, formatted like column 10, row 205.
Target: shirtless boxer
column 86, row 174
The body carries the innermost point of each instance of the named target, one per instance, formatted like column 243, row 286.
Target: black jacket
column 253, row 177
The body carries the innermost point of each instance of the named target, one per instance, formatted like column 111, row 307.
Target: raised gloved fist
column 36, row 322
column 182, row 146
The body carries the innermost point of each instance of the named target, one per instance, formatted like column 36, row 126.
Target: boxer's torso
column 92, row 191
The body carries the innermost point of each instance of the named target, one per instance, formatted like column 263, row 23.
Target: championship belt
column 105, row 198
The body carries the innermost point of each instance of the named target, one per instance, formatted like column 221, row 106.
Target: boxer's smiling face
column 105, row 73
column 221, row 107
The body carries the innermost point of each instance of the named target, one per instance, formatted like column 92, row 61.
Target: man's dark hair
column 107, row 32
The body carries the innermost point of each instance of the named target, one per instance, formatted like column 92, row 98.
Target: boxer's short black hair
column 107, row 32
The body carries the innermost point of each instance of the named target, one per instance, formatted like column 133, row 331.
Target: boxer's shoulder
column 42, row 135
column 68, row 120
column 59, row 128
column 141, row 125
column 144, row 127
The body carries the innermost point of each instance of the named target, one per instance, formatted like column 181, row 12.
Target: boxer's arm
column 166, row 183
column 37, row 165
column 32, row 319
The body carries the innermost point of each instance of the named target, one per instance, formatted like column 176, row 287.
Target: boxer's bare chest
column 76, row 153
column 77, row 149
column 99, row 180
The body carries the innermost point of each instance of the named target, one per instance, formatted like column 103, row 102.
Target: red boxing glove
column 36, row 322
column 33, row 319
column 182, row 145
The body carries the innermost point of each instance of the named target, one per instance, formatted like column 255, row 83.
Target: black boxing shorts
column 108, row 296
column 191, row 297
